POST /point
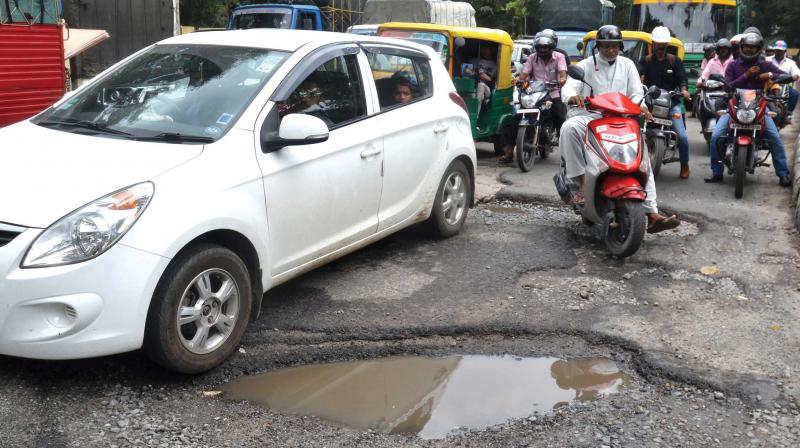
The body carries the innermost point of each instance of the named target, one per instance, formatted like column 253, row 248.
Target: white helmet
column 661, row 35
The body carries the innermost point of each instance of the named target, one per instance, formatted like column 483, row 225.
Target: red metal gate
column 32, row 75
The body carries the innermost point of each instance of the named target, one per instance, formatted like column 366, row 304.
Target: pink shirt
column 542, row 70
column 703, row 65
column 716, row 66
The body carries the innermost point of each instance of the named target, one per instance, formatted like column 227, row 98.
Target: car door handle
column 370, row 151
column 440, row 128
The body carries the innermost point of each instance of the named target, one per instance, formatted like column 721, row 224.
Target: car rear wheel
column 199, row 311
column 452, row 201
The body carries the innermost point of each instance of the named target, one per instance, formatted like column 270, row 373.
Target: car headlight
column 622, row 152
column 745, row 116
column 90, row 230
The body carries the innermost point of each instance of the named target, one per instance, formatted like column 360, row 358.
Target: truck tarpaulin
column 575, row 14
column 420, row 11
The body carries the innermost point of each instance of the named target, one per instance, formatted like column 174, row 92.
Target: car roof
column 281, row 40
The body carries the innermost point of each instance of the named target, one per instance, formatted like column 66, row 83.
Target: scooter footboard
column 620, row 186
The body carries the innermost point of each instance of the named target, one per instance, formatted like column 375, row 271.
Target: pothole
column 431, row 397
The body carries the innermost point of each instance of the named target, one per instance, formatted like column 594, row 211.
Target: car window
column 400, row 79
column 333, row 92
column 306, row 21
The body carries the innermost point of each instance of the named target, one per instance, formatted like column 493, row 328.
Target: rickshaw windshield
column 437, row 41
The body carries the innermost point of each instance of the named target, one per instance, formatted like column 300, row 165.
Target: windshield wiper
column 85, row 125
column 176, row 137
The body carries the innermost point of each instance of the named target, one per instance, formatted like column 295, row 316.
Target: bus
column 695, row 22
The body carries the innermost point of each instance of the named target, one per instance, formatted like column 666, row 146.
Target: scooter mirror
column 784, row 79
column 575, row 72
column 654, row 92
column 580, row 46
column 694, row 72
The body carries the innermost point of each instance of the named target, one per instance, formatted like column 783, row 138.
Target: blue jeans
column 770, row 132
column 680, row 129
column 793, row 95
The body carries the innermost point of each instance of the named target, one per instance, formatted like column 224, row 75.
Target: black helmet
column 751, row 39
column 543, row 40
column 609, row 33
column 552, row 34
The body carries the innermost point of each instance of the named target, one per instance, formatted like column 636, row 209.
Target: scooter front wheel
column 623, row 229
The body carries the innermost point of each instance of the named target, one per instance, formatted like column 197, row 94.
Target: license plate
column 662, row 121
column 754, row 127
column 528, row 111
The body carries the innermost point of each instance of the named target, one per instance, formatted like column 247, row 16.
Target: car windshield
column 186, row 90
column 570, row 45
column 262, row 18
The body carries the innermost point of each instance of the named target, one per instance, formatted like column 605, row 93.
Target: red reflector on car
column 458, row 100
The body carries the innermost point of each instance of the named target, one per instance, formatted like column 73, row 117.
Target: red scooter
column 616, row 171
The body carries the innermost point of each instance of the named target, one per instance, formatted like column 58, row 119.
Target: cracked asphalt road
column 703, row 319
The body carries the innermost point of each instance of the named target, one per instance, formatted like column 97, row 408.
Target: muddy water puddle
column 431, row 397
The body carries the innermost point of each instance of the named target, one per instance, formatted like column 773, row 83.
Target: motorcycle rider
column 708, row 54
column 750, row 71
column 551, row 33
column 666, row 72
column 544, row 65
column 787, row 66
column 719, row 63
column 606, row 72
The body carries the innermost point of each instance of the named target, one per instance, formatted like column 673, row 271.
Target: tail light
column 458, row 100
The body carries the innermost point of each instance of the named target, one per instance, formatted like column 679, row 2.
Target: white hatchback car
column 154, row 206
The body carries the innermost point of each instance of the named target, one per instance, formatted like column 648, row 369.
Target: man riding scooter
column 607, row 72
column 787, row 66
column 749, row 71
column 666, row 72
column 544, row 65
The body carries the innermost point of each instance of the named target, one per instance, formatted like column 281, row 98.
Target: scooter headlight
column 661, row 112
column 622, row 152
column 745, row 116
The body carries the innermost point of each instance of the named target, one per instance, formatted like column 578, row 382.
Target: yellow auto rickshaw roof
column 467, row 32
column 643, row 36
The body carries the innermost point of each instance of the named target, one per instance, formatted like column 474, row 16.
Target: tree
column 204, row 13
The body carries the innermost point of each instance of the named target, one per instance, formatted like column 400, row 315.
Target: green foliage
column 204, row 13
column 776, row 19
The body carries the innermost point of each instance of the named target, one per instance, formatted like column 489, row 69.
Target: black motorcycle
column 536, row 133
column 713, row 104
column 661, row 140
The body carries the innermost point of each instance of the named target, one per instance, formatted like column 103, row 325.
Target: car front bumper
column 82, row 310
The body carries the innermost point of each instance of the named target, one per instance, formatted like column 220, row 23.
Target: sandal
column 662, row 223
column 578, row 199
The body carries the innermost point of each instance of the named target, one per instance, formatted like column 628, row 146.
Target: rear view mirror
column 654, row 92
column 297, row 129
column 784, row 79
column 580, row 46
column 575, row 72
column 459, row 42
column 694, row 72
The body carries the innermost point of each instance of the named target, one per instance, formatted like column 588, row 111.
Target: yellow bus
column 694, row 22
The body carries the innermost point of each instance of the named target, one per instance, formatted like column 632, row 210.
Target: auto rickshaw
column 638, row 44
column 458, row 46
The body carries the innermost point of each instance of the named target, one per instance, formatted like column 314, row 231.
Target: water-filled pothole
column 430, row 396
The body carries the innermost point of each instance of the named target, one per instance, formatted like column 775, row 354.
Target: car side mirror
column 580, row 46
column 575, row 72
column 297, row 129
column 459, row 42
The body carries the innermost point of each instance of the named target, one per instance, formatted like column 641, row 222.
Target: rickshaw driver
column 608, row 72
column 486, row 70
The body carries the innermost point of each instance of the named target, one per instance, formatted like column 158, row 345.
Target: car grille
column 8, row 233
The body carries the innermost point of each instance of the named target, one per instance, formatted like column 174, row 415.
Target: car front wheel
column 452, row 201
column 199, row 311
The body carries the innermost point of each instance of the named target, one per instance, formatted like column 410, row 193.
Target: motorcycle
column 536, row 132
column 616, row 171
column 662, row 141
column 748, row 109
column 712, row 104
column 780, row 105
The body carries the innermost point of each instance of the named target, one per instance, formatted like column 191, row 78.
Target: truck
column 319, row 15
column 572, row 19
column 442, row 12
